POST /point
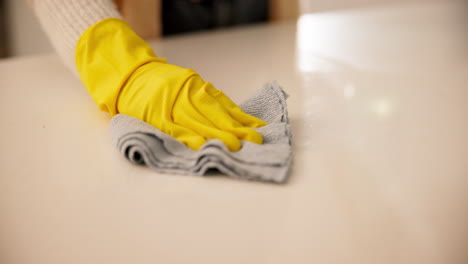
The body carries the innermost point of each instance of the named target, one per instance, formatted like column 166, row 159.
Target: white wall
column 25, row 36
column 311, row 6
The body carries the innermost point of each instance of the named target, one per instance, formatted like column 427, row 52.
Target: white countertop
column 380, row 120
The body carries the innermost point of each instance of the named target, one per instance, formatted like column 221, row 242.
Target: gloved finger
column 242, row 117
column 221, row 118
column 187, row 115
column 234, row 110
column 209, row 132
column 183, row 134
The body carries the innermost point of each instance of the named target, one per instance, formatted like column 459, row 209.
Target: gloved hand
column 123, row 75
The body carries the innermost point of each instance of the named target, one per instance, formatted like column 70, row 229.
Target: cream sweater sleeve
column 65, row 21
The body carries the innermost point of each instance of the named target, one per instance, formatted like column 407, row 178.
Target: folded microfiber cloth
column 144, row 144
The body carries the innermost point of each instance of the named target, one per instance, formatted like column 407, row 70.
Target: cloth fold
column 143, row 144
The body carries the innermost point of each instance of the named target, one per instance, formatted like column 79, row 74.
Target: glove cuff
column 65, row 21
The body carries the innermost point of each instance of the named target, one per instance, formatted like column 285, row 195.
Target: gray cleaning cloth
column 143, row 144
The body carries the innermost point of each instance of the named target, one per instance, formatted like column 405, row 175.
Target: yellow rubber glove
column 123, row 75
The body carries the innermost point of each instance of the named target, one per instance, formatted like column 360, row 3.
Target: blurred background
column 21, row 35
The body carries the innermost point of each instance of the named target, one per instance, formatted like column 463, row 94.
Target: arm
column 123, row 75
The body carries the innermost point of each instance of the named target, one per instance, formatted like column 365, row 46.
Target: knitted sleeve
column 65, row 21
